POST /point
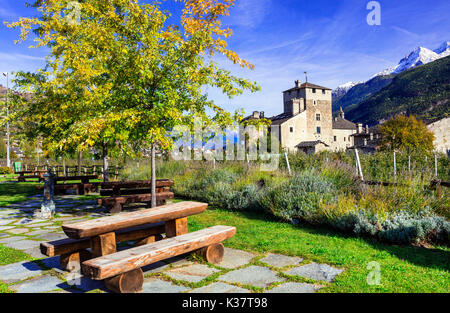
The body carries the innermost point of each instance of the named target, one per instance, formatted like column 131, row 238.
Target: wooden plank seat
column 115, row 204
column 92, row 244
column 79, row 188
column 166, row 213
column 122, row 270
column 74, row 251
column 126, row 192
column 84, row 179
column 131, row 191
column 137, row 184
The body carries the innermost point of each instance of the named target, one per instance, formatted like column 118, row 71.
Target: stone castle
column 307, row 122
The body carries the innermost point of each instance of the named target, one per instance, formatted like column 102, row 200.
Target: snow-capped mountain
column 444, row 49
column 343, row 89
column 419, row 56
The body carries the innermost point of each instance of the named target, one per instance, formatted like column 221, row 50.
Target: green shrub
column 4, row 170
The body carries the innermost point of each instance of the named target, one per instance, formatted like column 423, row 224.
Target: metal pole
column 8, row 160
column 435, row 165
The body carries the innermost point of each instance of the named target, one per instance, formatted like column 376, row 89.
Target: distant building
column 441, row 130
column 307, row 122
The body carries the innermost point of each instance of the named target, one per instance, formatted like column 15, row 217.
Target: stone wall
column 441, row 130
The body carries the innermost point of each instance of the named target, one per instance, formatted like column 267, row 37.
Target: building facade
column 307, row 122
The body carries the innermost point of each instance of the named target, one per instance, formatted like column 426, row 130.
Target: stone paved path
column 239, row 272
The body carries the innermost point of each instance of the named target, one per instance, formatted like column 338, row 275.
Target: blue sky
column 330, row 39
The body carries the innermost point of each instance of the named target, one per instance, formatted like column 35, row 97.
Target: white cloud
column 249, row 13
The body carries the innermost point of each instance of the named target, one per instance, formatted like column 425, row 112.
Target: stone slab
column 235, row 258
column 23, row 244
column 154, row 285
column 38, row 232
column 18, row 231
column 3, row 228
column 52, row 236
column 315, row 271
column 35, row 253
column 5, row 221
column 11, row 239
column 155, row 268
column 219, row 287
column 279, row 260
column 293, row 288
column 253, row 275
column 38, row 285
column 19, row 271
column 191, row 273
column 25, row 221
column 178, row 261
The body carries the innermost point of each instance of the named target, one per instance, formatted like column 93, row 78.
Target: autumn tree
column 406, row 133
column 121, row 73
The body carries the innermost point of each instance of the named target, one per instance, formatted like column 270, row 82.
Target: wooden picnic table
column 122, row 270
column 80, row 188
column 126, row 192
column 34, row 174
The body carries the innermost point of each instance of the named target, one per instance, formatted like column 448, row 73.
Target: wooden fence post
column 395, row 167
column 435, row 166
column 358, row 163
column 287, row 162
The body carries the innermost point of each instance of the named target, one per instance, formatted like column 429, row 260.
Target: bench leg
column 116, row 208
column 149, row 240
column 213, row 253
column 176, row 227
column 103, row 244
column 129, row 282
column 72, row 261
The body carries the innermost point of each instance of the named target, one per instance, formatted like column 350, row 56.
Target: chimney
column 297, row 83
column 261, row 114
column 360, row 128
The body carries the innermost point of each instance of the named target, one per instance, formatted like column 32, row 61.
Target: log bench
column 92, row 244
column 123, row 193
column 39, row 174
column 82, row 188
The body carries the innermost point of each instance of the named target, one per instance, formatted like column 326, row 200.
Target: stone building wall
column 441, row 130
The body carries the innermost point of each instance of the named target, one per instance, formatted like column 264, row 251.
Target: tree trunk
column 153, row 204
column 105, row 163
column 80, row 156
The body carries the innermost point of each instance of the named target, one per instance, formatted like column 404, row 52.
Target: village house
column 307, row 122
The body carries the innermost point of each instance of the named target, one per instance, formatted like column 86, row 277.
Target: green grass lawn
column 16, row 192
column 8, row 256
column 403, row 268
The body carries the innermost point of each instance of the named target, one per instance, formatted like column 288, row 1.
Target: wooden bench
column 33, row 175
column 82, row 188
column 122, row 271
column 123, row 193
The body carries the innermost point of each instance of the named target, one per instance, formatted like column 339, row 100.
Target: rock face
column 441, row 130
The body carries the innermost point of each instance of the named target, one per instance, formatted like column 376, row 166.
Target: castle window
column 314, row 90
column 317, row 117
column 345, row 138
column 335, row 138
column 314, row 102
column 319, row 130
column 291, row 129
column 324, row 91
